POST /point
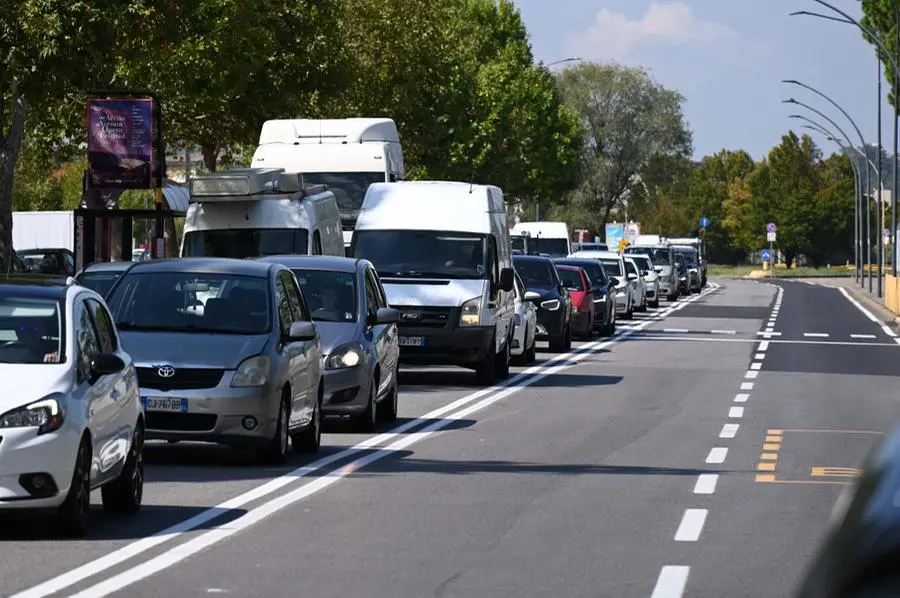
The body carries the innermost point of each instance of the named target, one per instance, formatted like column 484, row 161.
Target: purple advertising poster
column 120, row 143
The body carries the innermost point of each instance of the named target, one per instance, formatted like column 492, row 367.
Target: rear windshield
column 658, row 255
column 571, row 279
column 612, row 267
column 100, row 281
column 593, row 268
column 535, row 273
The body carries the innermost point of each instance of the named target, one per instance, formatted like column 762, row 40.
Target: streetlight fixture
column 555, row 62
column 866, row 181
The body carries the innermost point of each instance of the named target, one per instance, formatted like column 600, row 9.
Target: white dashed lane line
column 717, row 455
column 729, row 431
column 706, row 483
column 671, row 582
column 691, row 525
column 868, row 336
column 815, row 334
column 736, row 412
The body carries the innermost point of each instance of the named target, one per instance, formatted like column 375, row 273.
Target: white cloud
column 613, row 37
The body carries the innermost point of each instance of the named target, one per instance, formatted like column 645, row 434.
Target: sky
column 727, row 58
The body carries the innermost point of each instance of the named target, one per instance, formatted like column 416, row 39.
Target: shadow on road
column 38, row 527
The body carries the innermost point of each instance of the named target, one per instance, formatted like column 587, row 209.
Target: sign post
column 770, row 237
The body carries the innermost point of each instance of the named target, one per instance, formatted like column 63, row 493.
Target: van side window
column 317, row 244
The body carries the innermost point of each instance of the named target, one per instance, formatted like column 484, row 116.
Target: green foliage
column 879, row 17
column 629, row 119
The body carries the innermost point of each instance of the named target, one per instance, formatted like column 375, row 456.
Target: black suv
column 604, row 292
column 554, row 306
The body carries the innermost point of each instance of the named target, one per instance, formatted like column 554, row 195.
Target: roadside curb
column 883, row 313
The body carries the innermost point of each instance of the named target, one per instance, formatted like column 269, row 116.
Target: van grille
column 425, row 317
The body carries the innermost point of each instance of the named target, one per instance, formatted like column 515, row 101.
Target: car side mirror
column 105, row 364
column 507, row 279
column 531, row 296
column 632, row 276
column 302, row 331
column 387, row 315
column 613, row 281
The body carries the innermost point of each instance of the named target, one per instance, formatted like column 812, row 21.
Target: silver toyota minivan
column 225, row 352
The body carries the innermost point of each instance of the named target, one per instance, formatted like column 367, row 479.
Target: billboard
column 120, row 143
column 615, row 232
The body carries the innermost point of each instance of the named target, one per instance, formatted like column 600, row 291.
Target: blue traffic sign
column 771, row 227
column 765, row 255
column 704, row 222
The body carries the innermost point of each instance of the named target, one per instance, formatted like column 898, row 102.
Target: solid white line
column 755, row 366
column 759, row 356
column 172, row 556
column 676, row 330
column 716, row 455
column 763, row 345
column 719, row 339
column 706, row 483
column 729, row 431
column 671, row 582
column 867, row 313
column 815, row 334
column 769, row 333
column 691, row 525
column 736, row 412
column 732, row 332
column 863, row 336
column 746, row 385
column 741, row 397
column 888, row 331
column 751, row 375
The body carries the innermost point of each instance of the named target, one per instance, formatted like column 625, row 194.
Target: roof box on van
column 331, row 131
column 245, row 183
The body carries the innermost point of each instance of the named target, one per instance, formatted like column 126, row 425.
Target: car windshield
column 518, row 242
column 46, row 261
column 593, row 268
column 612, row 267
column 100, row 281
column 534, row 272
column 191, row 302
column 414, row 253
column 689, row 255
column 242, row 243
column 349, row 190
column 551, row 247
column 331, row 296
column 30, row 330
column 658, row 255
column 643, row 263
column 571, row 279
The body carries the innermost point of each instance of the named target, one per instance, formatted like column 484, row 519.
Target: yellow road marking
column 766, row 467
column 769, row 456
column 774, row 438
column 771, row 447
column 775, row 432
column 765, row 477
column 821, row 482
column 834, row 472
column 831, row 431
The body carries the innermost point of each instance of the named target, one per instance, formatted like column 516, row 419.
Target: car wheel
column 310, row 439
column 275, row 452
column 629, row 314
column 486, row 372
column 531, row 352
column 503, row 358
column 558, row 342
column 568, row 345
column 655, row 304
column 73, row 514
column 388, row 412
column 367, row 421
column 124, row 494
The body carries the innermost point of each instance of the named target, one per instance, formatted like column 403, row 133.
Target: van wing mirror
column 302, row 331
column 507, row 279
column 387, row 315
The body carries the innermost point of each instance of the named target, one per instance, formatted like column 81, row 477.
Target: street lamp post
column 866, row 180
column 570, row 59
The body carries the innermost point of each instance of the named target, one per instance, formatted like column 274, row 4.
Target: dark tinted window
column 593, row 268
column 690, row 256
column 643, row 263
column 349, row 190
column 99, row 281
column 658, row 255
column 612, row 267
column 246, row 242
column 30, row 329
column 191, row 302
column 571, row 278
column 552, row 247
column 105, row 330
column 331, row 296
column 535, row 273
column 517, row 242
column 423, row 253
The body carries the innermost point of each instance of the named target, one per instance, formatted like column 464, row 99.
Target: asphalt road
column 699, row 453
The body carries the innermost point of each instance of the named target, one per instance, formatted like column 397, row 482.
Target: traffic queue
column 272, row 320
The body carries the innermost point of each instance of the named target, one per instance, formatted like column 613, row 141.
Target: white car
column 638, row 285
column 525, row 332
column 70, row 413
column 614, row 266
column 651, row 277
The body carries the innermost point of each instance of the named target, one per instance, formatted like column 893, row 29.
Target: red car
column 579, row 287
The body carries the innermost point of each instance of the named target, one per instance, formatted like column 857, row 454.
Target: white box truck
column 345, row 154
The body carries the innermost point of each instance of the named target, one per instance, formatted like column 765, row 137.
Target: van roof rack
column 242, row 184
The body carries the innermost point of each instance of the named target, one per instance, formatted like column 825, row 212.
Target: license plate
column 412, row 341
column 164, row 404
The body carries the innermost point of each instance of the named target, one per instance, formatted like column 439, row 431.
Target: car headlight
column 345, row 356
column 601, row 299
column 550, row 304
column 46, row 415
column 253, row 371
column 470, row 314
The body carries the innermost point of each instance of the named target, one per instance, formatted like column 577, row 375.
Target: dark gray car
column 101, row 276
column 358, row 332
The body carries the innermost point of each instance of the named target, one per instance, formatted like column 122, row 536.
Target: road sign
column 705, row 222
column 765, row 255
column 770, row 237
column 771, row 228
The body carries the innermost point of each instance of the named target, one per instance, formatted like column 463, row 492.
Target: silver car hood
column 334, row 334
column 191, row 349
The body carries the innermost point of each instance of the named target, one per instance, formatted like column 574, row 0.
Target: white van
column 346, row 154
column 252, row 212
column 550, row 238
column 443, row 254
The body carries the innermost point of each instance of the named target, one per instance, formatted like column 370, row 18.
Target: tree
column 629, row 118
column 53, row 50
column 659, row 202
column 832, row 235
column 878, row 16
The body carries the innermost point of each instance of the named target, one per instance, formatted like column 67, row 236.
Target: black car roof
column 25, row 286
column 315, row 262
column 119, row 266
column 206, row 265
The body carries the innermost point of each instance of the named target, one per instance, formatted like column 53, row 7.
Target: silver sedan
column 358, row 332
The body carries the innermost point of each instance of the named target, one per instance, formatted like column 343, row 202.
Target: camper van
column 443, row 254
column 252, row 212
column 346, row 154
column 547, row 238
